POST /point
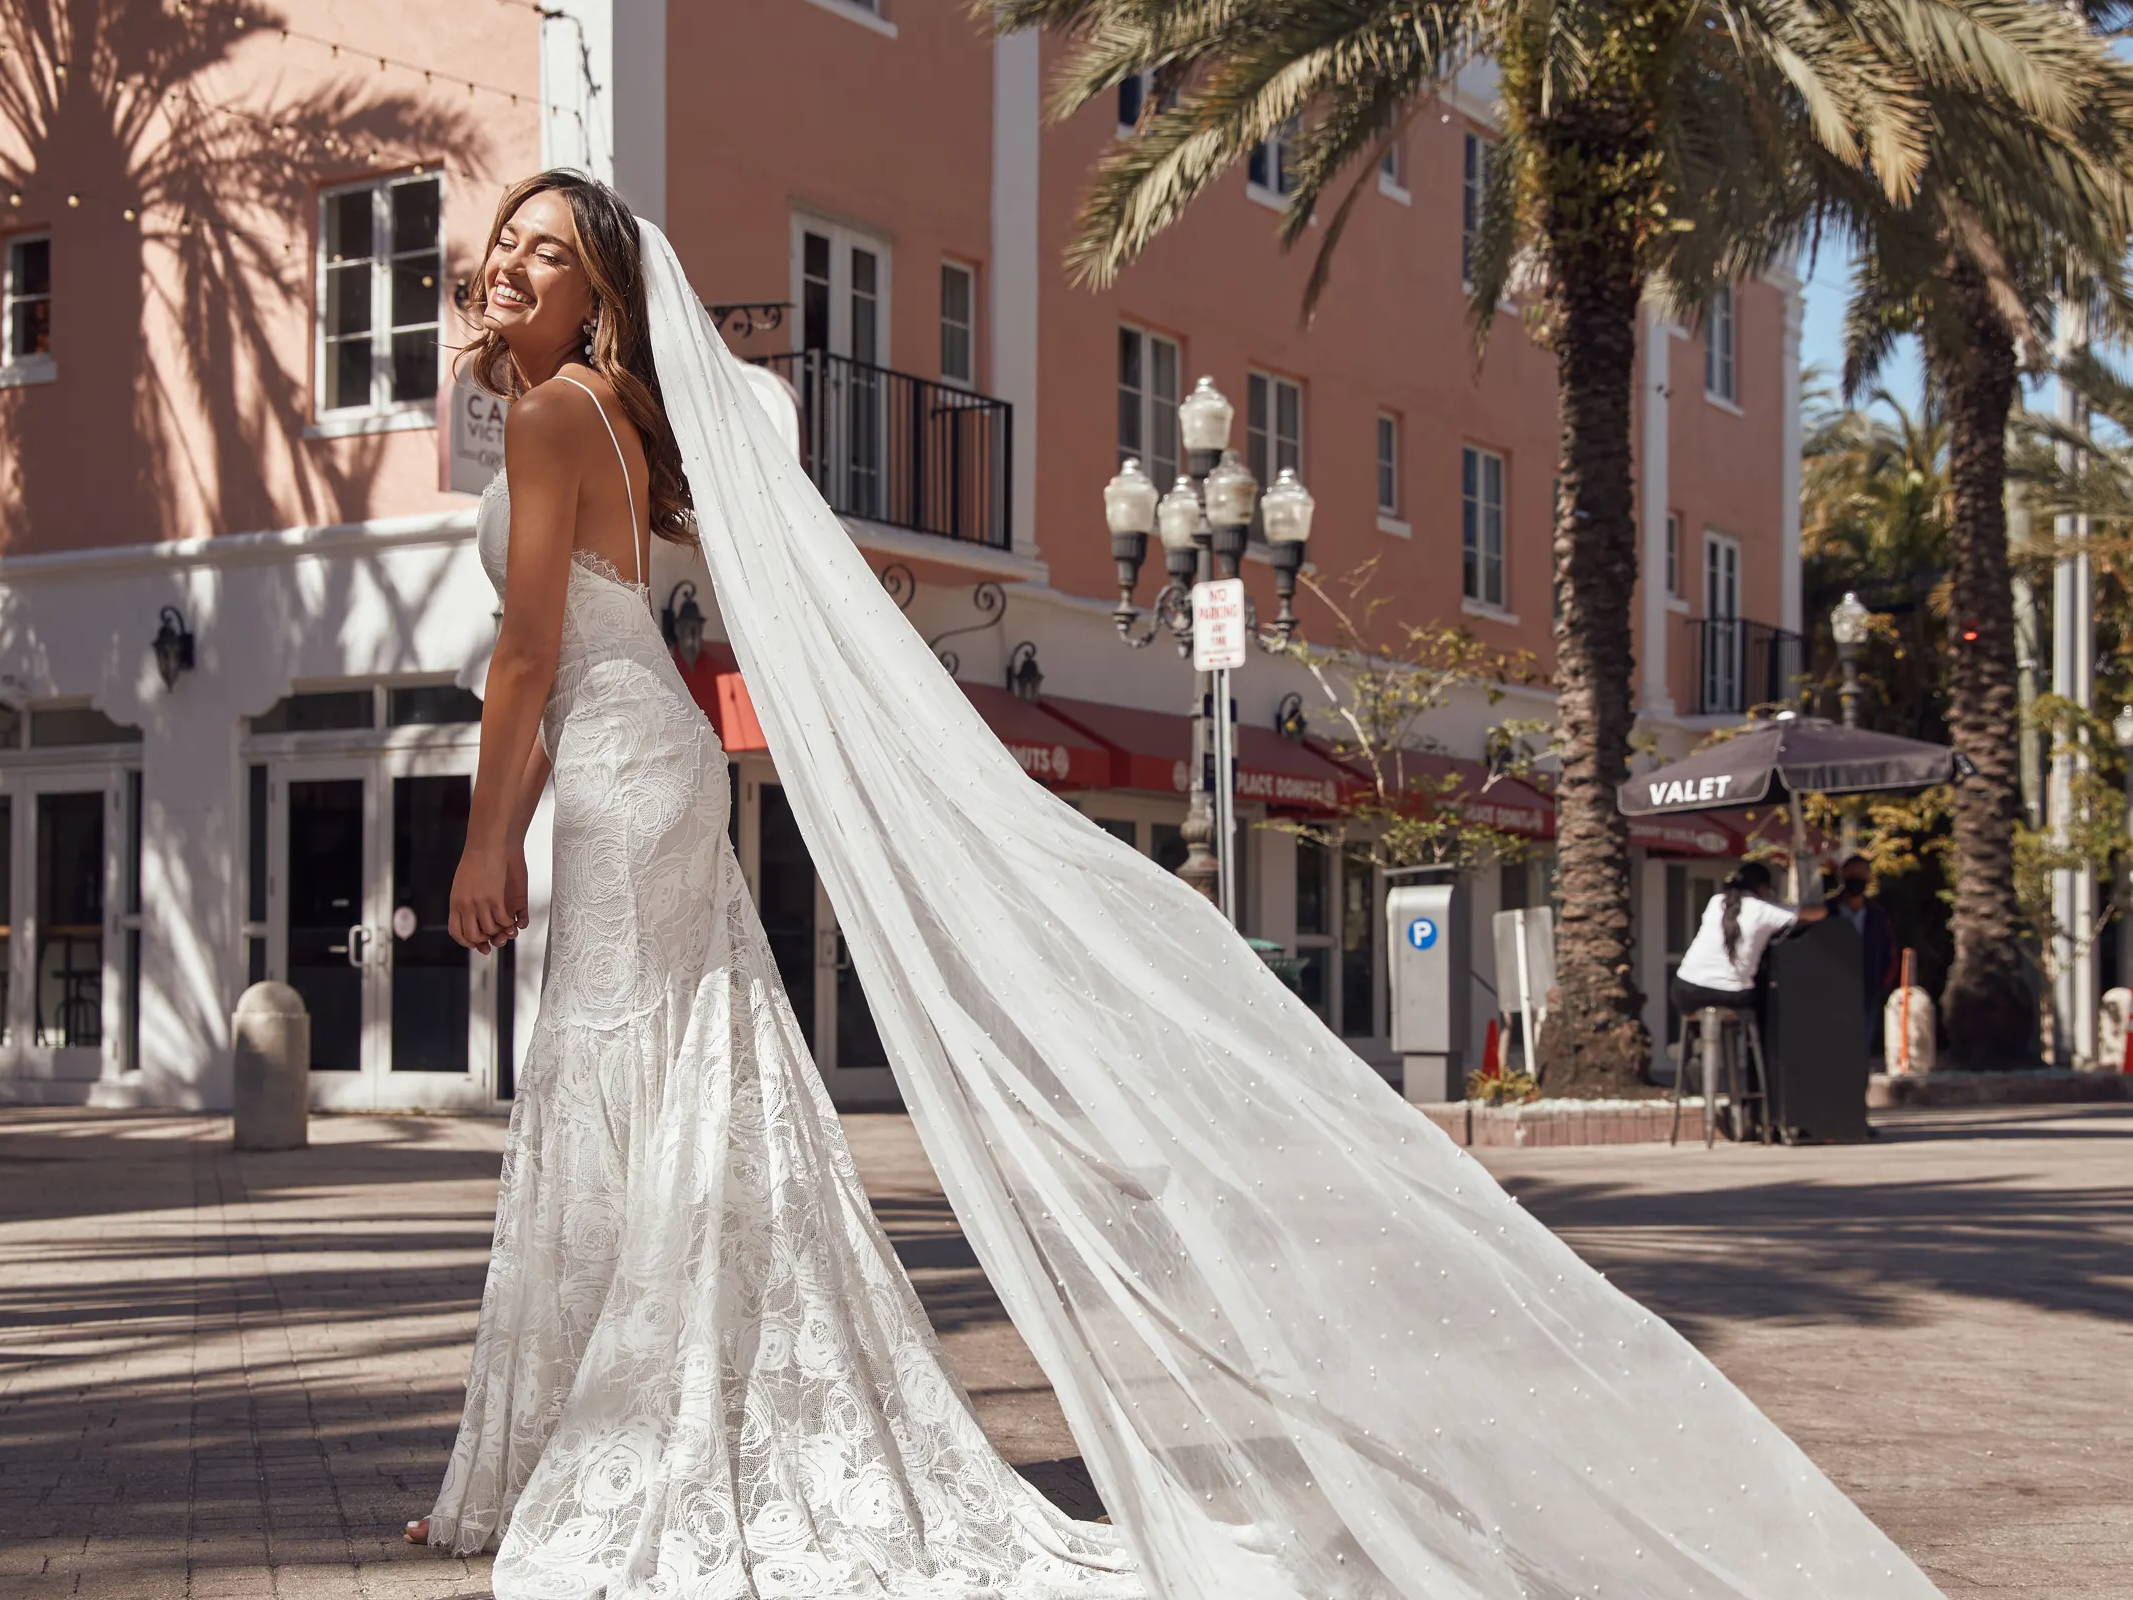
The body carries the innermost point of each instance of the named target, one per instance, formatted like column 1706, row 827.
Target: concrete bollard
column 272, row 1031
column 1907, row 1011
column 2112, row 1019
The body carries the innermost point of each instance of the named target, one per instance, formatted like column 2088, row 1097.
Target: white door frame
column 847, row 1085
column 374, row 1085
column 1725, row 660
column 25, row 1056
column 841, row 407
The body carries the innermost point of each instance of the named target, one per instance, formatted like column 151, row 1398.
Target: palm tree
column 1875, row 508
column 2010, row 219
column 2088, row 472
column 1655, row 143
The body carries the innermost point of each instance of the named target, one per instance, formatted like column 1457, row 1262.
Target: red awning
column 1510, row 805
column 1050, row 750
column 1153, row 750
column 715, row 684
column 1685, row 834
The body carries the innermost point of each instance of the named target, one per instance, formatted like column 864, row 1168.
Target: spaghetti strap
column 635, row 559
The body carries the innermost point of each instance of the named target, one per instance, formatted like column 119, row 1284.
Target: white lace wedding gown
column 700, row 1372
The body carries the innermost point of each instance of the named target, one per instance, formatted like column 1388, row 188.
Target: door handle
column 358, row 946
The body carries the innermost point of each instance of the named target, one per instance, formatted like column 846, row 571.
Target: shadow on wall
column 189, row 421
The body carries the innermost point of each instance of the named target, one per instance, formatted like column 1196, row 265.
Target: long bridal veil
column 1307, row 1346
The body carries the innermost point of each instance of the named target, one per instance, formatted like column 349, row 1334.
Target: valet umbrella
column 1784, row 758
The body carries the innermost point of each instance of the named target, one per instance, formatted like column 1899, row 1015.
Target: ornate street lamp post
column 1848, row 620
column 1204, row 523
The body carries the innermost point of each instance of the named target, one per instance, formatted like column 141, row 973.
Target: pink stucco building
column 231, row 242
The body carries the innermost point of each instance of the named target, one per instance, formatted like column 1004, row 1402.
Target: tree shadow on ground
column 1732, row 1239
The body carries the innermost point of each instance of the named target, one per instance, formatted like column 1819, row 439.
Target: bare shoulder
column 551, row 415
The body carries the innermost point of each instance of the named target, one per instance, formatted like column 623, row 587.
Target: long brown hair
column 621, row 342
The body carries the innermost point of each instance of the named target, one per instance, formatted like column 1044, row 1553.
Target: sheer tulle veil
column 1307, row 1346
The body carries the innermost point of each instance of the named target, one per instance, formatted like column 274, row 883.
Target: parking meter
column 1428, row 968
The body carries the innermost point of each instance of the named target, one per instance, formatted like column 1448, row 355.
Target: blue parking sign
column 1422, row 932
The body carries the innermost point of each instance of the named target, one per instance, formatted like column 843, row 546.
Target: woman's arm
column 532, row 785
column 541, row 455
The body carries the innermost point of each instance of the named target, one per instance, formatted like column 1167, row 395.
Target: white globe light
column 1205, row 416
column 1177, row 516
column 1129, row 500
column 1287, row 506
column 1231, row 489
column 1848, row 620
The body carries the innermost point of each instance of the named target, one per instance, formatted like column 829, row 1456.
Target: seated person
column 1719, row 967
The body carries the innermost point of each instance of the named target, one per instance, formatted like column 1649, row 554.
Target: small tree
column 1406, row 809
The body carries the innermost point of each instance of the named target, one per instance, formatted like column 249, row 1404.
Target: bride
column 1307, row 1347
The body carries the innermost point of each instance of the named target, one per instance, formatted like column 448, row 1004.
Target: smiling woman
column 560, row 276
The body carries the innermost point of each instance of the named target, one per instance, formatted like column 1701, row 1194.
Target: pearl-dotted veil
column 1307, row 1346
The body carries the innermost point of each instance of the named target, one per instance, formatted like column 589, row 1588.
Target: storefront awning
column 1153, row 751
column 1704, row 835
column 1050, row 750
column 715, row 684
column 1508, row 804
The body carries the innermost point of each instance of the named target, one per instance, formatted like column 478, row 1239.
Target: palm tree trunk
column 1595, row 1038
column 1988, row 1009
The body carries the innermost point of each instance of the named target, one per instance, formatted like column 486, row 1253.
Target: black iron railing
column 1742, row 664
column 907, row 451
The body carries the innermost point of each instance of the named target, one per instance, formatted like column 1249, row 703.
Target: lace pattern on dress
column 700, row 1372
column 600, row 567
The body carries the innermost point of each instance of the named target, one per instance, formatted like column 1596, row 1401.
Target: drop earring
column 589, row 327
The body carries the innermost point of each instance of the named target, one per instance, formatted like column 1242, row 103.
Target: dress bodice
column 607, row 621
column 492, row 538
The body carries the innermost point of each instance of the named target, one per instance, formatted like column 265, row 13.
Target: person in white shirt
column 1719, row 967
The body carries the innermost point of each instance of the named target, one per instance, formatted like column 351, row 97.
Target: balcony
column 1737, row 666
column 910, row 452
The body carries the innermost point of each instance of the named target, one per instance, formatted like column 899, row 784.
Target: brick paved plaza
column 230, row 1376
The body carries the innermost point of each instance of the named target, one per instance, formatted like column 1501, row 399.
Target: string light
column 324, row 144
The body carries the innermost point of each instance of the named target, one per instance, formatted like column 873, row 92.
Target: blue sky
column 1822, row 328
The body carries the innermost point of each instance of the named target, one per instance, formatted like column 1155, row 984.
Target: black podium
column 1814, row 1033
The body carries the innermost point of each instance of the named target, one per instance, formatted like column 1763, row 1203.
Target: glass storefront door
column 363, row 850
column 813, row 962
column 69, row 924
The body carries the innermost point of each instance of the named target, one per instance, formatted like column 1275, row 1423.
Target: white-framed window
column 1270, row 170
column 1473, row 194
column 26, row 301
column 868, row 13
column 1273, row 431
column 1721, row 349
column 1392, row 168
column 1148, row 367
column 959, row 324
column 1134, row 94
column 842, row 286
column 1725, row 652
column 1673, row 555
column 843, row 290
column 1388, row 431
column 381, row 248
column 1721, row 576
column 1481, row 485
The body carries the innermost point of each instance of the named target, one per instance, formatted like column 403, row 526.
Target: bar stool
column 1729, row 1046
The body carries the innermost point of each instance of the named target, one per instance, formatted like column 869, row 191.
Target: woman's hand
column 515, row 888
column 484, row 911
